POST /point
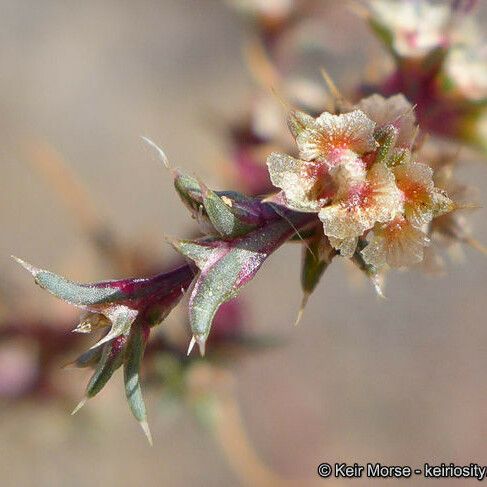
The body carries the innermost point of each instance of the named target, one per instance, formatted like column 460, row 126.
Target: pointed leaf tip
column 200, row 252
column 145, row 428
column 132, row 363
column 160, row 153
column 28, row 267
column 304, row 302
column 79, row 406
column 191, row 345
column 378, row 284
column 225, row 267
column 201, row 341
column 110, row 360
column 78, row 294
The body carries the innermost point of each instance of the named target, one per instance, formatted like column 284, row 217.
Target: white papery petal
column 290, row 175
column 396, row 111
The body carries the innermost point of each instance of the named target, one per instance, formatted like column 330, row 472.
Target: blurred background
column 400, row 381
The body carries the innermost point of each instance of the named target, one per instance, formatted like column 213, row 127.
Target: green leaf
column 226, row 266
column 111, row 298
column 317, row 256
column 120, row 301
column 188, row 189
column 313, row 265
column 72, row 292
column 224, row 219
column 228, row 214
column 110, row 361
column 132, row 363
column 199, row 251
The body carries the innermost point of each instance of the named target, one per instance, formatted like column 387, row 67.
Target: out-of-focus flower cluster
column 440, row 64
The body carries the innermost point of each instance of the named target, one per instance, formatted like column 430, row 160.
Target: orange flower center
column 414, row 193
column 332, row 141
column 394, row 229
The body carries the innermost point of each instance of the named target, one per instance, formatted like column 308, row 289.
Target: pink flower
column 397, row 244
column 357, row 171
column 357, row 207
column 329, row 147
column 329, row 137
column 415, row 27
column 422, row 201
column 395, row 111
